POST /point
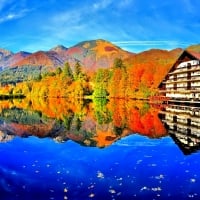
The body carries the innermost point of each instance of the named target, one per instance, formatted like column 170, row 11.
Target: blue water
column 133, row 168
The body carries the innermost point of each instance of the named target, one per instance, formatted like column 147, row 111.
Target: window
column 189, row 65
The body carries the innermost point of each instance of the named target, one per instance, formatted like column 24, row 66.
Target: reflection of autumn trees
column 137, row 116
column 56, row 108
column 101, row 111
column 91, row 124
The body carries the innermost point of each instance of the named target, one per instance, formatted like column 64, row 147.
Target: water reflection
column 98, row 123
column 183, row 125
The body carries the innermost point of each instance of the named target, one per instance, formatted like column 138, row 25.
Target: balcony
column 186, row 69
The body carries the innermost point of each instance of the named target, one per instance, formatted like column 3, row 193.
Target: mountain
column 59, row 49
column 155, row 55
column 41, row 58
column 61, row 53
column 5, row 53
column 4, row 56
column 50, row 59
column 195, row 48
column 91, row 55
column 7, row 58
column 95, row 54
column 14, row 58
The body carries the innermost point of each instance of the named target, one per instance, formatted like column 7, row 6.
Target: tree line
column 119, row 81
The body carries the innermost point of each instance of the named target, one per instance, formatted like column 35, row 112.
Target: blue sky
column 134, row 25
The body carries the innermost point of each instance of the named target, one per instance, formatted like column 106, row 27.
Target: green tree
column 67, row 71
column 38, row 78
column 29, row 86
column 77, row 70
column 67, row 120
column 101, row 81
column 58, row 71
column 102, row 113
column 118, row 63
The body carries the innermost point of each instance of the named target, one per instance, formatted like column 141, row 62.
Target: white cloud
column 141, row 45
column 124, row 3
column 101, row 4
column 13, row 15
column 147, row 42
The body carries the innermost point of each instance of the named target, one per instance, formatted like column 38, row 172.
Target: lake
column 61, row 149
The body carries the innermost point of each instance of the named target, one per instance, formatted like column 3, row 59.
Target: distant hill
column 41, row 58
column 195, row 48
column 4, row 56
column 15, row 58
column 5, row 53
column 96, row 54
column 7, row 58
column 59, row 49
column 91, row 55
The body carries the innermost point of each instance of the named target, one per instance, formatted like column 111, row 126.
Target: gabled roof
column 191, row 54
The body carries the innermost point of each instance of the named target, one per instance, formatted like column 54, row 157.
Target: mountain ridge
column 91, row 54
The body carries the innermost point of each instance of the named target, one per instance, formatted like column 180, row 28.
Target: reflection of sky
column 132, row 168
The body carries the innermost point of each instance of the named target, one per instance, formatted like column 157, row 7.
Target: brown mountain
column 4, row 56
column 96, row 54
column 194, row 48
column 92, row 55
column 15, row 58
column 41, row 58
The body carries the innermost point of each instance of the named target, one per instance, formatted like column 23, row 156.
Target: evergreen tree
column 118, row 63
column 77, row 70
column 58, row 71
column 102, row 78
column 67, row 71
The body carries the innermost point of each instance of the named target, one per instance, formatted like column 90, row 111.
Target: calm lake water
column 56, row 149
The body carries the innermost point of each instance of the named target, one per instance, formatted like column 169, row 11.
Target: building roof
column 185, row 52
column 195, row 54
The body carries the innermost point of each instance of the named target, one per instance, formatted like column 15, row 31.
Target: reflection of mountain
column 24, row 123
column 183, row 124
column 90, row 124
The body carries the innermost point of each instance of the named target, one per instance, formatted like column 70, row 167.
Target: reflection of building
column 183, row 124
column 183, row 80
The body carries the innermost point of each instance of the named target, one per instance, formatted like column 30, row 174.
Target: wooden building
column 182, row 83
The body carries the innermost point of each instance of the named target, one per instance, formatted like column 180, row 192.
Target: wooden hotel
column 182, row 83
